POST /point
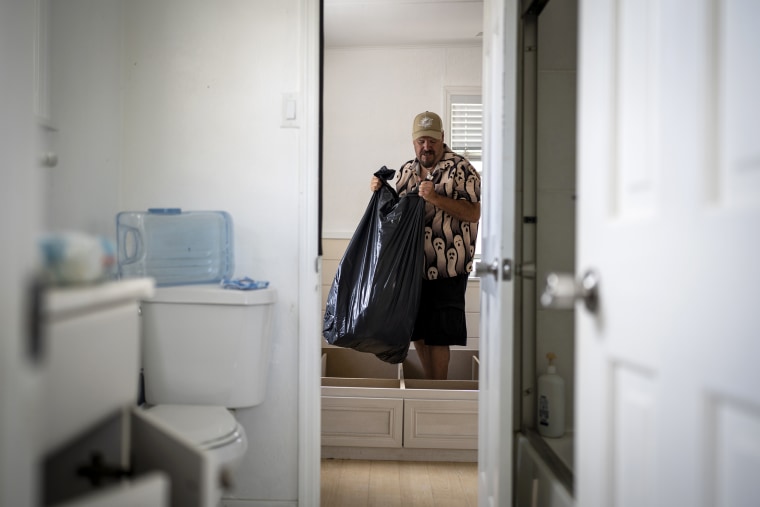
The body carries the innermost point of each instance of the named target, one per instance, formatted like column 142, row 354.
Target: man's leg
column 439, row 361
column 434, row 359
column 423, row 352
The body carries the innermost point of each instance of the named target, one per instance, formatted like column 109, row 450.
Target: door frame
column 496, row 409
column 500, row 28
column 309, row 259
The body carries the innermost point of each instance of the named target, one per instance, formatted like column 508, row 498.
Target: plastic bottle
column 551, row 401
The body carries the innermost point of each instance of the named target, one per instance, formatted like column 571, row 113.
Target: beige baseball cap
column 427, row 124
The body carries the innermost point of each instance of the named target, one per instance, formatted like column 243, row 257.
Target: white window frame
column 459, row 95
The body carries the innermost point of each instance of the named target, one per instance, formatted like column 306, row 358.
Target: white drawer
column 362, row 422
column 441, row 424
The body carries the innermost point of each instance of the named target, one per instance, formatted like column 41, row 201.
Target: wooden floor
column 356, row 483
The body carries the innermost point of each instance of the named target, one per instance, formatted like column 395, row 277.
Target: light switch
column 290, row 110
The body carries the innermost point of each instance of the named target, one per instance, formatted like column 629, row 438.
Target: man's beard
column 430, row 163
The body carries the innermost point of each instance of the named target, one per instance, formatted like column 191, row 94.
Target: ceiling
column 350, row 23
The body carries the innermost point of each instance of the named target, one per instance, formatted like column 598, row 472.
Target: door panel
column 634, row 431
column 738, row 72
column 735, row 438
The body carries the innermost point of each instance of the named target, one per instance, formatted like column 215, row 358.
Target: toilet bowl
column 206, row 351
column 213, row 429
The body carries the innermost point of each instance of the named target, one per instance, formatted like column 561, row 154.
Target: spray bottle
column 551, row 401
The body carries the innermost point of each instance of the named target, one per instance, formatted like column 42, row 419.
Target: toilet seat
column 214, row 430
column 209, row 427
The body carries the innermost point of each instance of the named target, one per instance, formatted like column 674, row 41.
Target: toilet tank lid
column 212, row 294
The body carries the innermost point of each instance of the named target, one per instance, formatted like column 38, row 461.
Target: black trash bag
column 373, row 301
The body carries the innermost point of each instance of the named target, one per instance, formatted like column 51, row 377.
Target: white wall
column 371, row 96
column 177, row 103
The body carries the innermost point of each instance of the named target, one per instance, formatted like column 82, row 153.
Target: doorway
column 374, row 83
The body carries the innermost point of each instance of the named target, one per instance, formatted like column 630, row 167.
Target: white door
column 20, row 211
column 668, row 399
column 496, row 300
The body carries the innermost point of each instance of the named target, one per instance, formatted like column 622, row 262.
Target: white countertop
column 59, row 301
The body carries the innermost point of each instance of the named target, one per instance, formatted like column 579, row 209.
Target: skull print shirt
column 449, row 242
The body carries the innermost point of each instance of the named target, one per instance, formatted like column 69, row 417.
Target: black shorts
column 440, row 319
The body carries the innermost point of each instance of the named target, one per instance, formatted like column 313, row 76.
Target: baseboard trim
column 398, row 454
column 258, row 503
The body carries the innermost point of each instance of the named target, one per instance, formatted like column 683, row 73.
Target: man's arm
column 458, row 208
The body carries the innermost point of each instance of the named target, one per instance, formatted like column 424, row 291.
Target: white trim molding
column 310, row 296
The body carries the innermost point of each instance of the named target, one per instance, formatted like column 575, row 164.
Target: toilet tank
column 206, row 345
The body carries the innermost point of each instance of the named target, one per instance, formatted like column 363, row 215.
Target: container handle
column 130, row 245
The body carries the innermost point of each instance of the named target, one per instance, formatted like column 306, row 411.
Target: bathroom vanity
column 98, row 448
column 377, row 410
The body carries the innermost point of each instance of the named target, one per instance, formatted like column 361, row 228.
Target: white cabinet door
column 148, row 490
column 496, row 300
column 668, row 404
column 362, row 422
column 191, row 470
column 440, row 423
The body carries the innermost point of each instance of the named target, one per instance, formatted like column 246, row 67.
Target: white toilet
column 206, row 350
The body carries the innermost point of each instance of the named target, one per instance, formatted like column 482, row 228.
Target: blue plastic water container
column 175, row 247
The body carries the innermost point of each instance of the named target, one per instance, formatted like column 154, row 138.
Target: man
column 450, row 187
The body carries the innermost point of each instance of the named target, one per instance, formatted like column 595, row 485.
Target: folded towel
column 76, row 257
column 243, row 284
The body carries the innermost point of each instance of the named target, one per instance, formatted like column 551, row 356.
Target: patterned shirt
column 449, row 242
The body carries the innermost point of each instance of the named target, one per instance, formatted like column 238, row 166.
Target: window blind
column 466, row 127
